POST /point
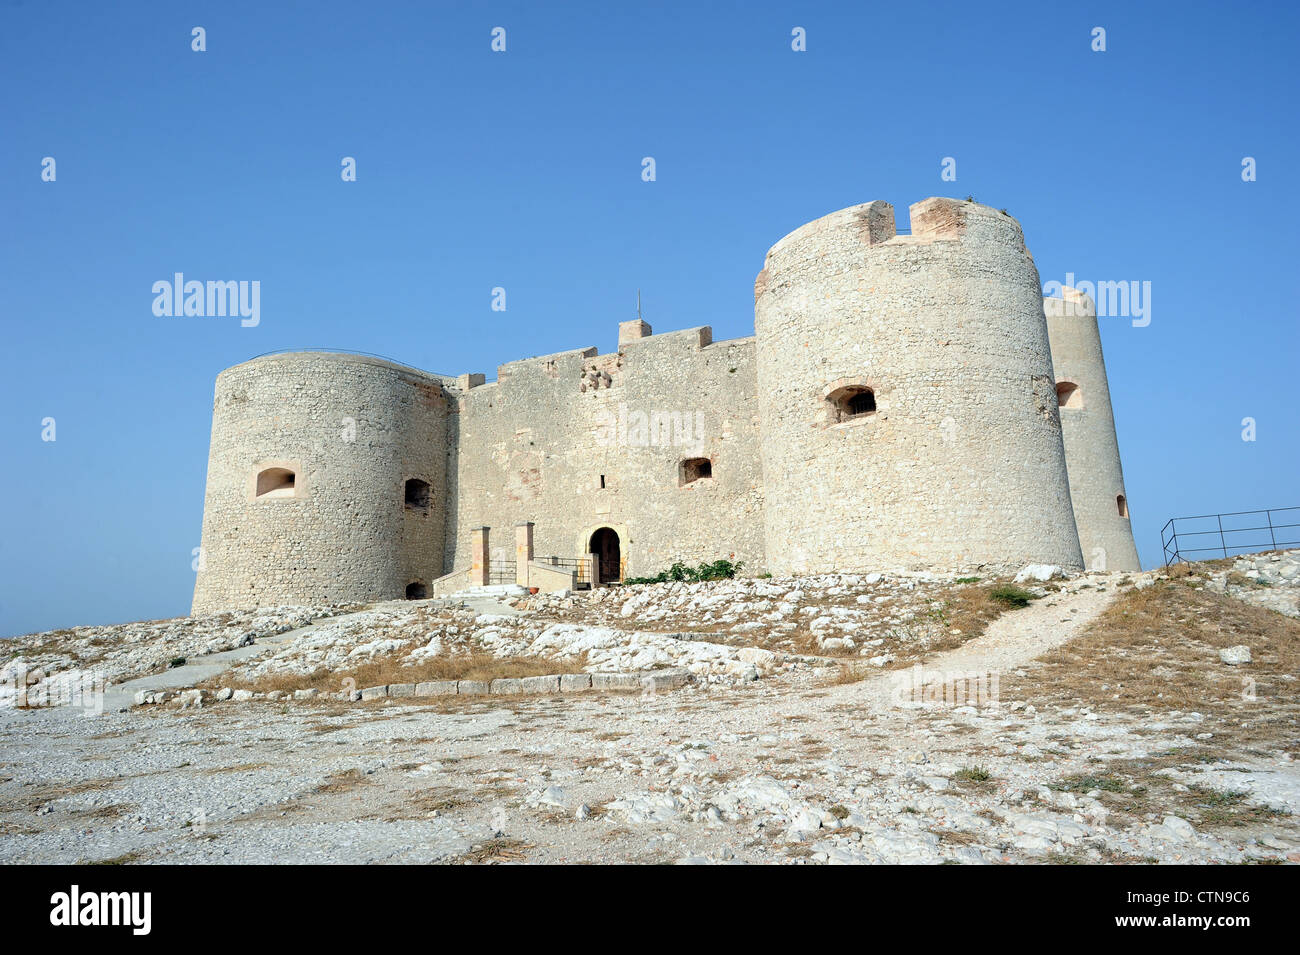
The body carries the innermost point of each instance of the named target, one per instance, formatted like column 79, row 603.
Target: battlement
column 830, row 243
column 937, row 219
column 587, row 366
column 552, row 364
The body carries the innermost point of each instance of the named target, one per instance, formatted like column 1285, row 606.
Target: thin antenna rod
column 638, row 304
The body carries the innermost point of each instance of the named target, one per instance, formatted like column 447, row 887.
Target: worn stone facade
column 896, row 408
column 1088, row 424
column 579, row 441
column 351, row 430
column 961, row 463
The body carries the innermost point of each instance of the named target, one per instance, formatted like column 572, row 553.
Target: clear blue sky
column 522, row 170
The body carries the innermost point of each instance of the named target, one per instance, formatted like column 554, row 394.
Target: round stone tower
column 1088, row 425
column 908, row 409
column 326, row 483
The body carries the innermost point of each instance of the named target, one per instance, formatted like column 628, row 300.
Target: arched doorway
column 605, row 544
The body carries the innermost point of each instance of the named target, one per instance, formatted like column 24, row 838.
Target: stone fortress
column 906, row 401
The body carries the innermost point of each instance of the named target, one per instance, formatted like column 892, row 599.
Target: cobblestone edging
column 556, row 683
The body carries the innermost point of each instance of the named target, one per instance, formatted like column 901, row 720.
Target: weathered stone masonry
column 897, row 407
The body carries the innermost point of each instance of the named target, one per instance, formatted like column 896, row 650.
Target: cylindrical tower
column 326, row 483
column 1088, row 425
column 908, row 408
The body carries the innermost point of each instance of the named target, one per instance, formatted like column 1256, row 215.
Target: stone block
column 540, row 684
column 374, row 693
column 506, row 686
column 472, row 687
column 436, row 688
column 575, row 682
column 665, row 679
column 616, row 681
column 401, row 689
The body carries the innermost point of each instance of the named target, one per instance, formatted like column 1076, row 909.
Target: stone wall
column 1088, row 425
column 352, row 429
column 690, row 449
column 962, row 463
column 578, row 441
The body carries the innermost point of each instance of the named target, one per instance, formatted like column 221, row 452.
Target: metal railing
column 1227, row 535
column 580, row 564
column 501, row 572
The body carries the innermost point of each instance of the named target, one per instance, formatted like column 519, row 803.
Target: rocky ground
column 1111, row 718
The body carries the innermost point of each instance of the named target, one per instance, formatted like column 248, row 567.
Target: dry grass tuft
column 425, row 803
column 1136, row 788
column 32, row 798
column 344, row 782
column 497, row 850
column 1157, row 650
column 956, row 837
column 128, row 859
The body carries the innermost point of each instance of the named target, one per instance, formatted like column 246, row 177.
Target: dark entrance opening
column 415, row 591
column 417, row 495
column 604, row 543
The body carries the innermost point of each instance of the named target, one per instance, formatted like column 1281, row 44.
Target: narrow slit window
column 1121, row 502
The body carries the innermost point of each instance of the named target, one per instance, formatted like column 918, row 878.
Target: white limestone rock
column 1039, row 572
column 1235, row 656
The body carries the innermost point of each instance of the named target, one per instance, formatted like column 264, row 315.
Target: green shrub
column 1011, row 595
column 718, row 570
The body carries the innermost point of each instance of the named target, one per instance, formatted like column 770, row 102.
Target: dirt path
column 119, row 696
column 1011, row 641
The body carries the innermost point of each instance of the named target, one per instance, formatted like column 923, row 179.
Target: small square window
column 696, row 469
column 417, row 495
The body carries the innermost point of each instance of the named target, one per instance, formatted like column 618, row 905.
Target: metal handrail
column 1174, row 551
column 581, row 564
column 501, row 572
